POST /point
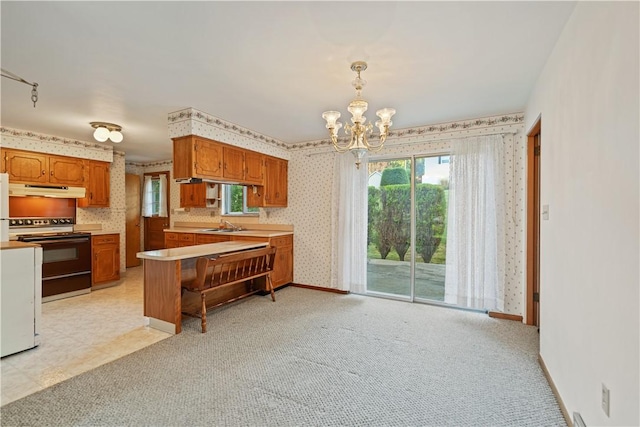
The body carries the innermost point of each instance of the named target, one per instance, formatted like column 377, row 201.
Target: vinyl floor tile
column 79, row 334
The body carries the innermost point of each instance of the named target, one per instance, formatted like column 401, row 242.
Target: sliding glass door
column 407, row 214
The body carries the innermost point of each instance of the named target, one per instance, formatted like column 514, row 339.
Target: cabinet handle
column 91, row 195
column 220, row 165
column 51, row 173
column 43, row 172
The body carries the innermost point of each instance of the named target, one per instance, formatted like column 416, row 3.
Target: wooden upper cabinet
column 97, row 185
column 274, row 192
column 23, row 166
column 195, row 157
column 254, row 168
column 66, row 171
column 233, row 163
column 193, row 195
column 30, row 167
column 275, row 182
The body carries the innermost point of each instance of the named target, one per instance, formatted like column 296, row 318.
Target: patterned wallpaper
column 311, row 209
column 112, row 218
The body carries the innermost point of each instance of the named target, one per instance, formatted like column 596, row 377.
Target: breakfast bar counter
column 166, row 269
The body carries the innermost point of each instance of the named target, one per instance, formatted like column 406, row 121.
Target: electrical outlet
column 605, row 399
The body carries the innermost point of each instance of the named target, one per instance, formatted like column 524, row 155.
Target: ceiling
column 272, row 67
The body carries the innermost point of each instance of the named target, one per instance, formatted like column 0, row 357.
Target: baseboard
column 319, row 288
column 563, row 408
column 500, row 315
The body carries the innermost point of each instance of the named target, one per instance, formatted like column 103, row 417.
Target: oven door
column 66, row 265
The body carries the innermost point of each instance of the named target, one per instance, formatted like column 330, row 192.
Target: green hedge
column 394, row 176
column 389, row 223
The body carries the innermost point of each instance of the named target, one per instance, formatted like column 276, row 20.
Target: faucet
column 232, row 226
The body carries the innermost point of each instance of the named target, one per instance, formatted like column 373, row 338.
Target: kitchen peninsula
column 166, row 269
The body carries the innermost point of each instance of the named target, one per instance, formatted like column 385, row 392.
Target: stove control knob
column 54, row 221
column 20, row 222
column 28, row 222
column 13, row 222
column 69, row 221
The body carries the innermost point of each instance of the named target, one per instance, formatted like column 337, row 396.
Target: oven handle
column 40, row 242
column 66, row 275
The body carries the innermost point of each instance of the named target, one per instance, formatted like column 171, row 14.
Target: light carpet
column 318, row 359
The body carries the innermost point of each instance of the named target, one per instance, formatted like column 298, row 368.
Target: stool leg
column 204, row 313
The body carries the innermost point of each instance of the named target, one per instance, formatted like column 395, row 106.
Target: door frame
column 533, row 223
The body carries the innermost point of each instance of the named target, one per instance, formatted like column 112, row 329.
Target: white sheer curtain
column 349, row 224
column 475, row 270
column 147, row 197
column 149, row 205
column 162, row 196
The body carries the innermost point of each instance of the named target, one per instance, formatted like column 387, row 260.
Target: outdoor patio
column 393, row 277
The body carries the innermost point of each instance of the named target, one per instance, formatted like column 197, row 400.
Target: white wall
column 587, row 96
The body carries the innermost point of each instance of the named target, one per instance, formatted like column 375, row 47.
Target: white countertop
column 12, row 244
column 199, row 250
column 248, row 233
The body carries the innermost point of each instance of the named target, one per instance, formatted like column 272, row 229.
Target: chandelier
column 358, row 132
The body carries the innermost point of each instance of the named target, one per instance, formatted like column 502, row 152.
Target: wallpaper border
column 193, row 114
column 51, row 138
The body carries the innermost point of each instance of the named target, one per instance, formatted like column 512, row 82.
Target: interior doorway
column 155, row 223
column 132, row 219
column 533, row 224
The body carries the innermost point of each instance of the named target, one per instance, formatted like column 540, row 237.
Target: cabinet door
column 186, row 239
column 207, row 158
column 171, row 240
column 97, row 185
column 283, row 266
column 233, row 163
column 25, row 166
column 253, row 168
column 193, row 195
column 106, row 258
column 66, row 171
column 276, row 182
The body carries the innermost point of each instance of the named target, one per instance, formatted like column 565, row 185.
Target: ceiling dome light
column 115, row 136
column 104, row 131
column 101, row 134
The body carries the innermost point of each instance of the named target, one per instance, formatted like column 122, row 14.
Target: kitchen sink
column 220, row 230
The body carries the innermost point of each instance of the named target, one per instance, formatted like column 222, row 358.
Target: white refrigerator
column 20, row 286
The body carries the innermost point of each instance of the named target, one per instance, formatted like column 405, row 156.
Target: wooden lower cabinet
column 283, row 267
column 178, row 240
column 105, row 259
column 203, row 239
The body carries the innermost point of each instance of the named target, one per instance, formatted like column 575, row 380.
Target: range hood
column 47, row 191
